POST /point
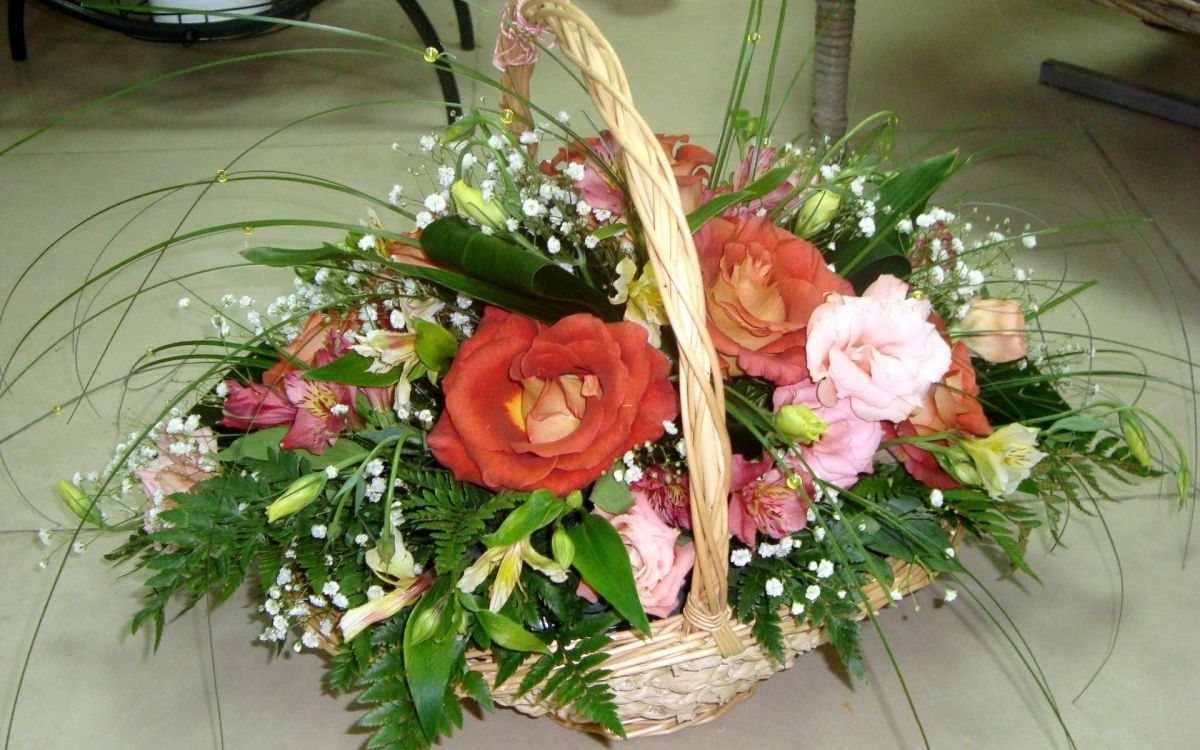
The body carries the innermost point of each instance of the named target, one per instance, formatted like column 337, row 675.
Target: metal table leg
column 429, row 38
column 16, row 29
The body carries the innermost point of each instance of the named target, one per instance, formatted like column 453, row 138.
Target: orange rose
column 952, row 404
column 762, row 284
column 530, row 406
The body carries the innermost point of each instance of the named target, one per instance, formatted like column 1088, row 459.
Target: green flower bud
column 79, row 504
column 816, row 212
column 469, row 202
column 562, row 547
column 1135, row 437
column 799, row 423
column 1183, row 481
column 424, row 624
column 574, row 500
column 298, row 494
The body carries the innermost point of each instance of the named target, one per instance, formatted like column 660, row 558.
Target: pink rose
column 848, row 446
column 1001, row 330
column 760, row 500
column 660, row 565
column 184, row 458
column 878, row 351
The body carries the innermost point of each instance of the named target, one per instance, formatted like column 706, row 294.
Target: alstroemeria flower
column 323, row 410
column 388, row 349
column 358, row 619
column 642, row 300
column 510, row 559
column 1005, row 458
column 761, row 501
column 255, row 407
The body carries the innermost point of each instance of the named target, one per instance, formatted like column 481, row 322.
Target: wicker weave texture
column 677, row 679
column 1179, row 14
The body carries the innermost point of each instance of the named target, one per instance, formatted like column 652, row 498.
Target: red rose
column 762, row 284
column 530, row 406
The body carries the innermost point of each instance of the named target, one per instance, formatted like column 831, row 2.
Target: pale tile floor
column 938, row 64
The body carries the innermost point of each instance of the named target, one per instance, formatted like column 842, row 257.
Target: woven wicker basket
column 1179, row 14
column 701, row 662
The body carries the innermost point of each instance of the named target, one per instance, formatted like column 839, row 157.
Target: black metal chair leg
column 16, row 29
column 429, row 38
column 466, row 28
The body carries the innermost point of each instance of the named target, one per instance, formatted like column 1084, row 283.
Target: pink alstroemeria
column 254, row 407
column 323, row 412
column 761, row 501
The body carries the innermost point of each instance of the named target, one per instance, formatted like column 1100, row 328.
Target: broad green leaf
column 451, row 241
column 757, row 189
column 611, row 496
column 351, row 369
column 509, row 634
column 541, row 509
column 254, row 445
column 342, row 450
column 435, row 345
column 903, row 195
column 601, row 558
column 428, row 660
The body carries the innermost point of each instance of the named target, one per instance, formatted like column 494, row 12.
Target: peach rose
column 1000, row 324
column 762, row 284
column 879, row 351
column 953, row 404
column 659, row 563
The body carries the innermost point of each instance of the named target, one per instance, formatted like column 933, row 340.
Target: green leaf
column 255, row 446
column 427, row 666
column 601, row 559
column 279, row 257
column 757, row 189
column 453, row 242
column 609, row 230
column 905, row 194
column 611, row 496
column 845, row 637
column 476, row 687
column 509, row 634
column 343, row 450
column 351, row 369
column 435, row 345
column 541, row 509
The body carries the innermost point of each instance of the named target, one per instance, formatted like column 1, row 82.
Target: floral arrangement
column 462, row 433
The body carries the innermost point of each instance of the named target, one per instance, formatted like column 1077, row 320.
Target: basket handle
column 655, row 197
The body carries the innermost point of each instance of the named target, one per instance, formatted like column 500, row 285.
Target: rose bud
column 469, row 202
column 298, row 494
column 1001, row 330
column 799, row 423
column 816, row 212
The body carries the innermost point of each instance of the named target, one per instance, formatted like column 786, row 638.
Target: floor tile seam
column 1140, row 205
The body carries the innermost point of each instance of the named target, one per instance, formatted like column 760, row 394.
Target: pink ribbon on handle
column 515, row 44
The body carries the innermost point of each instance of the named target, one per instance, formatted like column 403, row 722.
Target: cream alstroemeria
column 389, row 349
column 397, row 569
column 1005, row 458
column 510, row 558
column 356, row 620
column 644, row 304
